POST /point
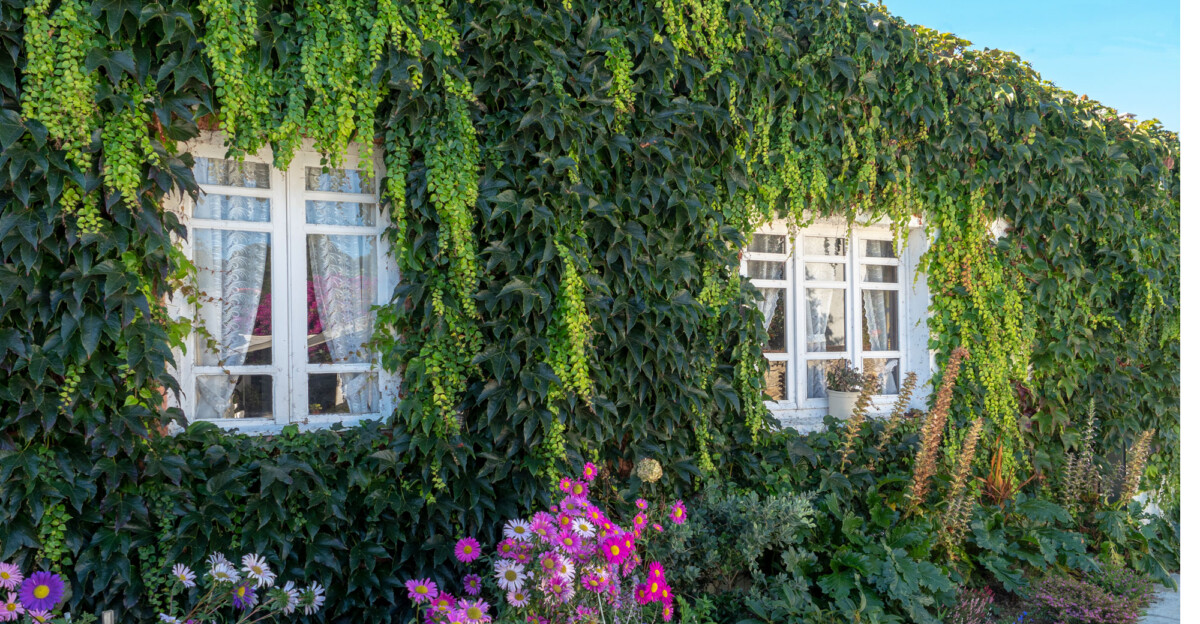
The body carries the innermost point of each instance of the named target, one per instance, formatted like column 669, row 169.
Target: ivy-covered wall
column 570, row 183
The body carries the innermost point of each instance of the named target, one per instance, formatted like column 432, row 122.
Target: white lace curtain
column 343, row 283
column 232, row 267
column 875, row 313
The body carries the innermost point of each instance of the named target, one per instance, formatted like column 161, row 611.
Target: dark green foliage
column 658, row 184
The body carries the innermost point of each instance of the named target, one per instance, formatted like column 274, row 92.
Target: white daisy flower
column 256, row 568
column 224, row 573
column 313, row 598
column 168, row 619
column 518, row 529
column 184, row 575
column 566, row 570
column 518, row 598
column 293, row 598
column 583, row 528
column 510, row 575
column 216, row 558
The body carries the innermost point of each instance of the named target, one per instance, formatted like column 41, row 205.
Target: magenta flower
column 444, row 603
column 678, row 512
column 642, row 504
column 589, row 472
column 564, row 484
column 41, row 591
column 472, row 583
column 655, row 571
column 10, row 576
column 615, row 549
column 466, row 550
column 422, row 590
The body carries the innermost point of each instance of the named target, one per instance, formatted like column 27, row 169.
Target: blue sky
column 1125, row 54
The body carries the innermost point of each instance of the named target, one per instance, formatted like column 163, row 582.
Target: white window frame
column 288, row 228
column 913, row 304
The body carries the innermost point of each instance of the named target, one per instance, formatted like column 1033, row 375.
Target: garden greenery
column 569, row 186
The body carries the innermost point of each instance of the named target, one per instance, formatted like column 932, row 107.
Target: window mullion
column 294, row 301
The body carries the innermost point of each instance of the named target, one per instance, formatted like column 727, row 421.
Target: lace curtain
column 875, row 314
column 343, row 284
column 231, row 269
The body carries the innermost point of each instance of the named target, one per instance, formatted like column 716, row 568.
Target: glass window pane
column 339, row 213
column 816, row 378
column 881, row 320
column 776, row 381
column 826, row 319
column 233, row 278
column 774, row 309
column 888, row 371
column 225, row 172
column 880, row 274
column 876, row 249
column 824, row 246
column 337, row 180
column 233, row 208
column 342, row 282
column 825, row 271
column 768, row 243
column 343, row 393
column 766, row 269
column 233, row 396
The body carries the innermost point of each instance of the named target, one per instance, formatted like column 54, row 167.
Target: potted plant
column 843, row 383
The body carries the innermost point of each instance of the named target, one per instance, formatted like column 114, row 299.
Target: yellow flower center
column 654, row 587
column 466, row 550
column 519, row 530
column 5, row 575
column 241, row 591
column 510, row 575
column 41, row 591
column 421, row 589
column 12, row 606
column 474, row 613
column 615, row 550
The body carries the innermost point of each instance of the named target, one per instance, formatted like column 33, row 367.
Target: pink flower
column 655, row 571
column 642, row 504
column 11, row 608
column 10, row 576
column 421, row 590
column 615, row 549
column 564, row 484
column 579, row 488
column 589, row 472
column 466, row 550
column 639, row 522
column 678, row 512
column 657, row 527
column 444, row 603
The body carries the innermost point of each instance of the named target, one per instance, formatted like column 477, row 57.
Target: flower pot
column 841, row 404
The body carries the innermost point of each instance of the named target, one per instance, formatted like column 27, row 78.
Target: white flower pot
column 841, row 404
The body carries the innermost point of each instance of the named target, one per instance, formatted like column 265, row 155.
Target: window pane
column 816, row 378
column 232, row 173
column 234, row 281
column 774, row 309
column 824, row 246
column 342, row 280
column 880, row 274
column 339, row 213
column 342, row 393
column 233, row 208
column 825, row 271
column 766, row 269
column 768, row 243
column 826, row 321
column 877, row 249
column 881, row 320
column 888, row 371
column 337, row 180
column 233, row 396
column 776, row 381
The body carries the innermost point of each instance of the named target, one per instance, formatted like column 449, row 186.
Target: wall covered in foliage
column 570, row 183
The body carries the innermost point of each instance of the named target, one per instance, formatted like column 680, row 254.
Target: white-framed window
column 831, row 292
column 289, row 265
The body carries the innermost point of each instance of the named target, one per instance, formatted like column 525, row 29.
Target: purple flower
column 41, row 591
column 243, row 596
column 471, row 584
